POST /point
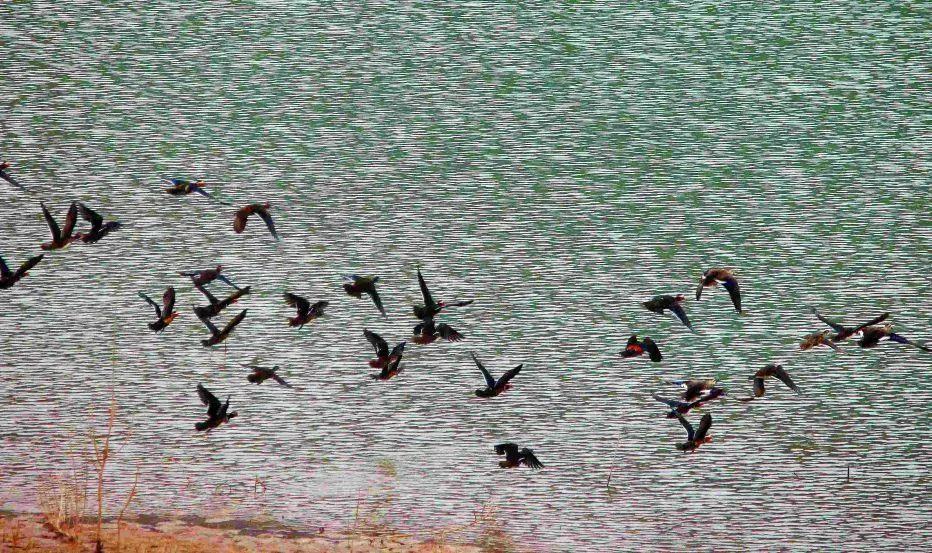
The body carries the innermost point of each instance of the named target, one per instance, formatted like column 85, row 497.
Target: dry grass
column 62, row 500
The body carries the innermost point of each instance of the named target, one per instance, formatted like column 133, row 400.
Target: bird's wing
column 699, row 288
column 837, row 327
column 298, row 302
column 704, row 424
column 672, row 403
column 197, row 188
column 758, row 386
column 376, row 299
column 873, row 322
column 158, row 310
column 428, row 300
column 6, row 176
column 397, row 351
column 233, row 322
column 70, row 220
column 507, row 449
column 210, row 297
column 460, row 303
column 4, row 270
column 530, row 460
column 651, row 347
column 690, row 433
column 380, row 345
column 731, row 284
column 489, row 381
column 508, row 376
column 681, row 315
column 785, row 378
column 168, row 301
column 279, row 379
column 92, row 216
column 240, row 218
column 28, row 264
column 53, row 226
column 267, row 217
column 448, row 333
column 210, row 326
column 209, row 399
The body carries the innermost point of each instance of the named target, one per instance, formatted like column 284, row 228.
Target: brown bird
column 427, row 332
column 383, row 357
column 202, row 278
column 771, row 370
column 694, row 388
column 216, row 335
column 262, row 210
column 695, row 438
column 8, row 278
column 216, row 306
column 495, row 387
column 515, row 458
column 634, row 348
column 658, row 304
column 431, row 308
column 183, row 187
column 817, row 339
column 5, row 175
column 714, row 276
column 872, row 335
column 61, row 237
column 99, row 229
column 844, row 332
column 260, row 375
column 683, row 407
column 306, row 311
column 356, row 286
column 217, row 413
column 393, row 366
column 164, row 312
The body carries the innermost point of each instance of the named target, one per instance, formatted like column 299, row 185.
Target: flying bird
column 5, row 175
column 165, row 313
column 427, row 332
column 635, row 348
column 695, row 438
column 816, row 339
column 495, row 387
column 431, row 308
column 216, row 335
column 515, row 458
column 260, row 375
column 724, row 276
column 306, row 311
column 99, row 229
column 844, row 332
column 872, row 335
column 262, row 210
column 383, row 357
column 216, row 306
column 61, row 237
column 771, row 370
column 217, row 413
column 356, row 286
column 393, row 366
column 8, row 278
column 694, row 387
column 682, row 407
column 202, row 278
column 658, row 304
column 183, row 187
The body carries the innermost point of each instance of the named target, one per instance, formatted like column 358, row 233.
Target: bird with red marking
column 727, row 279
column 635, row 348
column 241, row 217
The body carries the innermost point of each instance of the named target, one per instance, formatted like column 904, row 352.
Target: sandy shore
column 32, row 532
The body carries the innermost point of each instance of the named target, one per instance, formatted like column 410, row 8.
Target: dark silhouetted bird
column 817, row 339
column 8, row 278
column 431, row 308
column 383, row 357
column 164, row 312
column 217, row 413
column 262, row 210
column 306, row 311
column 99, row 229
column 5, row 175
column 61, row 237
column 694, row 387
column 494, row 387
column 182, row 187
column 357, row 285
column 713, row 276
column 393, row 365
column 695, row 438
column 427, row 332
column 872, row 335
column 844, row 332
column 683, row 407
column 216, row 306
column 515, row 458
column 634, row 348
column 260, row 375
column 218, row 336
column 771, row 370
column 658, row 304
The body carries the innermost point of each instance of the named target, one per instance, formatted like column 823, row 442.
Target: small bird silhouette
column 682, row 407
column 217, row 336
column 658, row 304
column 635, row 348
column 5, row 175
column 306, row 311
column 844, row 332
column 515, row 458
column 816, row 339
column 495, row 387
column 872, row 335
column 217, row 413
column 8, row 278
column 205, row 277
column 99, row 229
column 695, row 438
column 260, row 375
column 694, row 387
column 431, row 308
column 164, row 312
column 427, row 332
column 714, row 276
column 393, row 365
column 262, row 210
column 383, row 357
column 183, row 187
column 771, row 370
column 357, row 285
column 61, row 237
column 216, row 306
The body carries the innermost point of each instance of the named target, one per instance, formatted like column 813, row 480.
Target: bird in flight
column 165, row 313
column 495, row 387
column 262, row 210
column 8, row 278
column 724, row 276
column 357, row 285
column 61, row 237
column 635, row 348
column 515, row 457
column 659, row 304
column 217, row 413
column 697, row 437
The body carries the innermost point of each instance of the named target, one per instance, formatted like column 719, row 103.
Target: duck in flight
column 164, row 312
column 61, row 237
column 771, row 370
column 202, row 278
column 99, row 229
column 431, row 308
column 678, row 407
column 357, row 285
column 5, row 175
column 217, row 336
column 183, row 187
column 659, row 304
column 262, row 210
column 427, row 331
column 816, row 339
column 216, row 306
column 217, row 413
column 305, row 311
column 392, row 365
column 695, row 438
column 872, row 335
column 8, row 278
column 260, row 375
column 693, row 388
column 635, row 348
column 383, row 357
column 495, row 387
column 724, row 276
column 844, row 332
column 515, row 457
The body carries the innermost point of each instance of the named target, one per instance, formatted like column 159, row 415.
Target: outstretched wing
column 380, row 345
column 837, row 327
column 240, row 219
column 53, row 226
column 233, row 322
column 651, row 348
column 530, row 460
column 508, row 449
column 681, row 315
column 460, row 303
column 279, row 379
column 210, row 297
column 731, row 285
column 397, row 352
column 267, row 217
column 489, row 381
column 448, row 333
column 376, row 299
column 690, row 433
column 70, row 220
column 300, row 303
column 704, row 424
column 6, row 176
column 4, row 270
column 168, row 301
column 92, row 216
column 210, row 400
column 672, row 403
column 758, row 386
column 29, row 264
column 508, row 376
column 785, row 378
column 158, row 310
column 699, row 288
column 872, row 322
column 428, row 300
column 210, row 326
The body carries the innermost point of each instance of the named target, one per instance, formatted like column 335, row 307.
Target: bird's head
column 4, row 165
column 232, row 415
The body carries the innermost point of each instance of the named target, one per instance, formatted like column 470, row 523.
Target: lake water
column 558, row 165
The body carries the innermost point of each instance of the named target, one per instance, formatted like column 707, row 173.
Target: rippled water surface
column 558, row 165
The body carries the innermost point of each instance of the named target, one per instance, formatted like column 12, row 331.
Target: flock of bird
column 696, row 392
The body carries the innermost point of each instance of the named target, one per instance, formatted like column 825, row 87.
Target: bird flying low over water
column 682, row 407
column 816, row 339
column 260, row 375
column 216, row 306
column 495, row 387
column 695, row 387
column 658, row 304
column 61, row 237
column 99, row 229
column 392, row 366
column 8, row 278
column 427, row 332
column 356, row 286
column 635, row 348
column 216, row 335
column 202, row 278
column 431, row 308
column 306, row 311
column 872, row 335
column 262, row 210
column 5, row 175
column 844, row 332
column 164, row 312
column 515, row 457
column 771, row 370
column 383, row 357
column 714, row 276
column 183, row 187
column 217, row 413
column 697, row 437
